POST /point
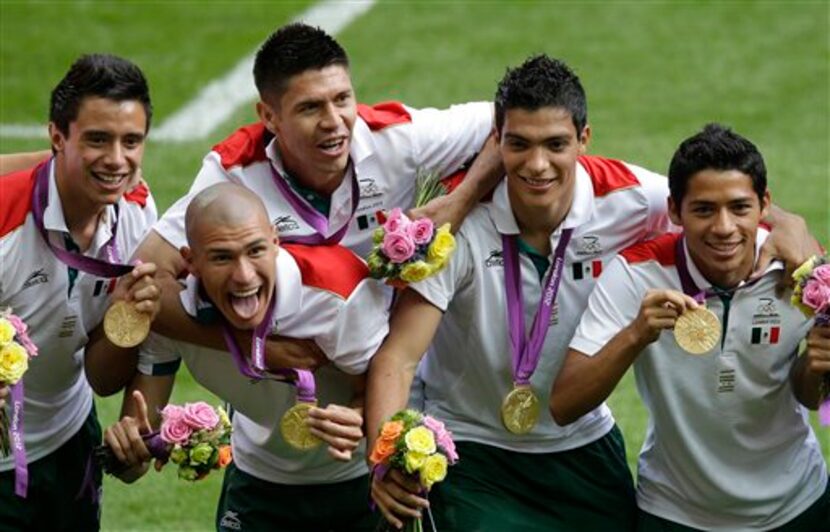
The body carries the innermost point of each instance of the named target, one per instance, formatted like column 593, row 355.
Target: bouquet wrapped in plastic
column 196, row 437
column 418, row 446
column 812, row 296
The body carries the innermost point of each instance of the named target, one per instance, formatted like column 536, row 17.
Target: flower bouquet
column 196, row 437
column 406, row 251
column 416, row 445
column 812, row 296
column 16, row 348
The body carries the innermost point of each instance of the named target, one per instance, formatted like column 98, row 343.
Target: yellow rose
column 415, row 271
column 434, row 470
column 7, row 331
column 14, row 361
column 413, row 461
column 421, row 440
column 803, row 271
column 442, row 246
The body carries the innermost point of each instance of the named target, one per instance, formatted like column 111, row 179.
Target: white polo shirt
column 323, row 294
column 390, row 144
column 728, row 447
column 468, row 372
column 36, row 286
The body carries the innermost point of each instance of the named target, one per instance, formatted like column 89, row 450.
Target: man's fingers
column 348, row 442
column 143, row 414
column 114, row 443
column 341, row 415
column 339, row 454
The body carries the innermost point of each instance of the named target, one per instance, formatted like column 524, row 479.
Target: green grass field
column 655, row 72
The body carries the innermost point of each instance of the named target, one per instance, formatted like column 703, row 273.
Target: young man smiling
column 556, row 216
column 241, row 280
column 60, row 223
column 728, row 447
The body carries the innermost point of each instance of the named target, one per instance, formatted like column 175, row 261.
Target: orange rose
column 225, row 456
column 391, row 430
column 383, row 450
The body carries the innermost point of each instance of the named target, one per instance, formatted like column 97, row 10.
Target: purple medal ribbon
column 312, row 216
column 97, row 267
column 525, row 351
column 302, row 378
column 21, row 472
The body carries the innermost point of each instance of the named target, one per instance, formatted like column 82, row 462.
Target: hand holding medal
column 135, row 304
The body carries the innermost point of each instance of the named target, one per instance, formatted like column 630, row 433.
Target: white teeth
column 331, row 144
column 532, row 181
column 112, row 179
column 246, row 293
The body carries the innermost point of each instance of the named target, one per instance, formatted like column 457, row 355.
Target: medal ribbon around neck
column 98, row 267
column 688, row 284
column 525, row 351
column 312, row 216
column 302, row 378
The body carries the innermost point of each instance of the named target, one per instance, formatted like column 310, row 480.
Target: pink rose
column 171, row 412
column 421, row 230
column 396, row 221
column 17, row 323
column 399, row 247
column 200, row 415
column 23, row 339
column 816, row 295
column 175, row 430
column 443, row 437
column 822, row 273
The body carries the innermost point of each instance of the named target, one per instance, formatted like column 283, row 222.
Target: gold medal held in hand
column 294, row 429
column 125, row 326
column 520, row 409
column 697, row 331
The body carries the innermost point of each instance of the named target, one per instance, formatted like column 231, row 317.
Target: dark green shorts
column 589, row 488
column 55, row 499
column 248, row 504
column 816, row 517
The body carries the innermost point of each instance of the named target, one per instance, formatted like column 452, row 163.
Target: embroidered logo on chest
column 285, row 223
column 496, row 258
column 35, row 278
column 766, row 323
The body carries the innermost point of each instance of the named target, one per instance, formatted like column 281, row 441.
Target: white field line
column 218, row 100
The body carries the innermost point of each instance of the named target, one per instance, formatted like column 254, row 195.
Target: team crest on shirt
column 496, row 258
column 588, row 246
column 285, row 223
column 230, row 521
column 35, row 278
column 766, row 323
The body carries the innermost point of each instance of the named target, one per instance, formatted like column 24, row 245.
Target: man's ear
column 584, row 139
column 187, row 255
column 766, row 201
column 56, row 137
column 674, row 211
column 267, row 116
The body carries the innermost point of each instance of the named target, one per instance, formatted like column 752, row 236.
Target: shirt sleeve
column 158, row 355
column 360, row 326
column 614, row 303
column 440, row 288
column 444, row 140
column 171, row 226
column 655, row 187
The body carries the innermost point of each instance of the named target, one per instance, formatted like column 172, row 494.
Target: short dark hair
column 716, row 147
column 98, row 75
column 292, row 50
column 542, row 82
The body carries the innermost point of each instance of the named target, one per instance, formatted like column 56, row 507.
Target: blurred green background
column 655, row 72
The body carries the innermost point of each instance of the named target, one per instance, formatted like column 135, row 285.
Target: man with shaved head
column 239, row 279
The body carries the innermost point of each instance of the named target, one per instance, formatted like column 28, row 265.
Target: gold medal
column 294, row 429
column 520, row 409
column 697, row 331
column 125, row 326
